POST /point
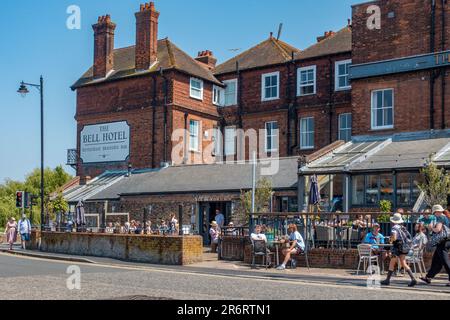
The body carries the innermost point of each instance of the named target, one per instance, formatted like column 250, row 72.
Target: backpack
column 405, row 243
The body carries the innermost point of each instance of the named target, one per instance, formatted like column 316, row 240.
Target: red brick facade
column 407, row 29
column 156, row 105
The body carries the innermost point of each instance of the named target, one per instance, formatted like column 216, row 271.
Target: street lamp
column 23, row 90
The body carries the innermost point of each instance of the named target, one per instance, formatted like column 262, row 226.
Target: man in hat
column 24, row 228
column 438, row 212
column 214, row 233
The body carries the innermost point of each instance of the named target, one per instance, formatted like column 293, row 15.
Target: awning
column 398, row 152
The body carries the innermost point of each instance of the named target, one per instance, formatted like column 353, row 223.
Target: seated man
column 375, row 238
column 297, row 245
column 259, row 236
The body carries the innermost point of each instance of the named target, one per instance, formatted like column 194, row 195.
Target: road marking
column 242, row 277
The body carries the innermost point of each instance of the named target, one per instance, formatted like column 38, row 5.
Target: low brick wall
column 165, row 250
column 329, row 258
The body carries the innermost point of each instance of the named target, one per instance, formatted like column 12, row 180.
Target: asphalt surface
column 35, row 278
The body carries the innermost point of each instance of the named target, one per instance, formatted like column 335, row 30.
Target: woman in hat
column 11, row 232
column 440, row 257
column 214, row 233
column 401, row 239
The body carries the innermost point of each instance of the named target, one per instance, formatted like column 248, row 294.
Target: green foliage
column 58, row 205
column 54, row 179
column 385, row 207
column 436, row 186
column 263, row 195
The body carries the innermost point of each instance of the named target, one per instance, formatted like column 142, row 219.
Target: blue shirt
column 220, row 219
column 427, row 221
column 442, row 219
column 374, row 239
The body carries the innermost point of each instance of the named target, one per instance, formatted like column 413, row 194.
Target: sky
column 34, row 41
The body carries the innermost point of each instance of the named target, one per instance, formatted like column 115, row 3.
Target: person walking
column 401, row 239
column 24, row 228
column 214, row 232
column 11, row 232
column 440, row 256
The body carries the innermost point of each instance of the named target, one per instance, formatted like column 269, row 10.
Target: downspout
column 330, row 102
column 239, row 95
column 443, row 70
column 290, row 105
column 432, row 72
column 185, row 160
column 166, row 89
column 153, row 121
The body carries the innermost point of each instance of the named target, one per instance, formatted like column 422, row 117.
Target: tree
column 436, row 185
column 263, row 195
column 54, row 180
column 58, row 205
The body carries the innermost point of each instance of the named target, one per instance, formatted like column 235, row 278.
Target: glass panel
column 379, row 118
column 358, row 190
column 388, row 98
column 372, row 190
column 416, row 180
column 403, row 189
column 379, row 100
column 387, row 188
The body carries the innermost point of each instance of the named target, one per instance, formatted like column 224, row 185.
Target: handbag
column 438, row 238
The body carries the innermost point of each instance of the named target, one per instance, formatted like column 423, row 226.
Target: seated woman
column 297, row 245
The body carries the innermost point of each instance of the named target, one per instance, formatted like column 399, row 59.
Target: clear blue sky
column 34, row 40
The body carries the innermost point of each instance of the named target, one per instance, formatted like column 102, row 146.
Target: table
column 382, row 247
column 277, row 244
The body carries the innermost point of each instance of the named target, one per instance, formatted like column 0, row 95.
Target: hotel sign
column 107, row 142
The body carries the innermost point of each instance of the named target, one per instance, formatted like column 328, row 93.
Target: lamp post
column 23, row 90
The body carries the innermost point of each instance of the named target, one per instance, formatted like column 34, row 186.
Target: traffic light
column 27, row 200
column 20, row 199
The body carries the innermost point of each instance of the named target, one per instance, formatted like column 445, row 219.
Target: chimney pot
column 206, row 58
column 103, row 46
column 146, row 36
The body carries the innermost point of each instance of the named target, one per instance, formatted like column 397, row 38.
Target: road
column 35, row 278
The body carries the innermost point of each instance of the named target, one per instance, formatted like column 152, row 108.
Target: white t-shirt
column 297, row 236
column 258, row 237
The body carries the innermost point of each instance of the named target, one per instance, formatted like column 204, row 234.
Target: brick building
column 356, row 107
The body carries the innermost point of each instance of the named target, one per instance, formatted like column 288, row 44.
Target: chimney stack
column 103, row 46
column 146, row 36
column 326, row 35
column 207, row 59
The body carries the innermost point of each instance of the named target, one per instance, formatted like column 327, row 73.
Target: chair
column 325, row 234
column 416, row 259
column 366, row 257
column 259, row 249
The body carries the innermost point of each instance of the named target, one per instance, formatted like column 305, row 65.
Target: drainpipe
column 153, row 121
column 239, row 94
column 330, row 101
column 443, row 70
column 290, row 105
column 185, row 160
column 166, row 89
column 432, row 72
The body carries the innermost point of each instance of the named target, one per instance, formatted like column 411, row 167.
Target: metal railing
column 329, row 230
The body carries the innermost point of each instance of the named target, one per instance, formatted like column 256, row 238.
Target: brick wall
column 405, row 31
column 166, row 250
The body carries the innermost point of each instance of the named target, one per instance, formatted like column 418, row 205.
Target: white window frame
column 192, row 89
column 299, row 80
column 227, row 141
column 340, row 128
column 217, row 139
column 273, row 137
column 263, row 86
column 302, row 146
column 337, row 75
column 218, row 96
column 226, row 82
column 194, row 137
column 373, row 110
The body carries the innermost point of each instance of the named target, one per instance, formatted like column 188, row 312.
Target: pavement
column 199, row 281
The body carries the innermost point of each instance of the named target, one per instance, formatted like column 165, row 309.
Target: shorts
column 25, row 237
column 298, row 251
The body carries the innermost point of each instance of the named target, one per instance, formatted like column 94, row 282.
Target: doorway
column 208, row 214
